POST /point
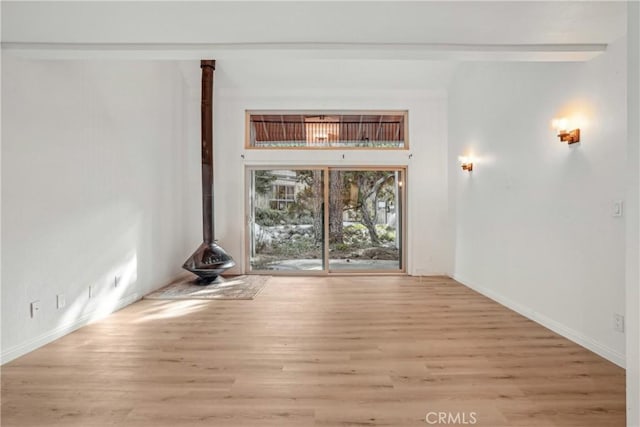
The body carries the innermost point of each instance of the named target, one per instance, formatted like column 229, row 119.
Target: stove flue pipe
column 206, row 132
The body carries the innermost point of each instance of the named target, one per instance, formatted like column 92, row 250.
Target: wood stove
column 210, row 259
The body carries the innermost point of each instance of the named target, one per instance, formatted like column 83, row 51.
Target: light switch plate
column 618, row 322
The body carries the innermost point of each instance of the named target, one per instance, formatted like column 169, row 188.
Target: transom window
column 327, row 130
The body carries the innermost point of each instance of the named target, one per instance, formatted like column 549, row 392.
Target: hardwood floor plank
column 315, row 351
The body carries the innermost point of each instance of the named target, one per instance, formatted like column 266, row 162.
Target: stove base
column 208, row 262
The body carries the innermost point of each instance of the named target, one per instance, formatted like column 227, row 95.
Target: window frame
column 249, row 113
column 286, row 200
column 326, row 271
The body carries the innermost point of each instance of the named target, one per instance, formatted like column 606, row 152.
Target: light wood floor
column 338, row 351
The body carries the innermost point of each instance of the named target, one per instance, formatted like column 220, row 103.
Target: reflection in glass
column 317, row 130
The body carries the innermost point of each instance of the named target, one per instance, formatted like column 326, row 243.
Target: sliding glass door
column 365, row 219
column 286, row 219
column 323, row 220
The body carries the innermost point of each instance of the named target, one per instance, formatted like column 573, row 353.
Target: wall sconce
column 568, row 136
column 466, row 163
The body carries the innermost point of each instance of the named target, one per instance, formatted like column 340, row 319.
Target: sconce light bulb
column 560, row 124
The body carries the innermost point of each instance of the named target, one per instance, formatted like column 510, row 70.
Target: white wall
column 633, row 218
column 332, row 85
column 534, row 226
column 90, row 189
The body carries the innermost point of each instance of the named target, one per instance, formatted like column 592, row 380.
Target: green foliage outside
column 284, row 236
column 270, row 217
column 305, row 247
column 357, row 235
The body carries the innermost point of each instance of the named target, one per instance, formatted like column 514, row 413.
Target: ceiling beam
column 392, row 51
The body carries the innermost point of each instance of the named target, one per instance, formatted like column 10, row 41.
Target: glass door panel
column 365, row 219
column 286, row 224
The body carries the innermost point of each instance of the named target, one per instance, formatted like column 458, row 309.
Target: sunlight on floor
column 172, row 309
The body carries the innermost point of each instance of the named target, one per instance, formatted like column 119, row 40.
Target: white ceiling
column 363, row 29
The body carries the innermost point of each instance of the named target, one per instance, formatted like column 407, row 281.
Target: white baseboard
column 569, row 333
column 62, row 330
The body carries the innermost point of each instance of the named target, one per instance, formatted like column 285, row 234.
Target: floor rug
column 233, row 287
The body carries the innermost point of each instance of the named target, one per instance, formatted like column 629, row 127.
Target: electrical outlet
column 618, row 322
column 617, row 208
column 116, row 281
column 91, row 291
column 35, row 308
column 60, row 301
